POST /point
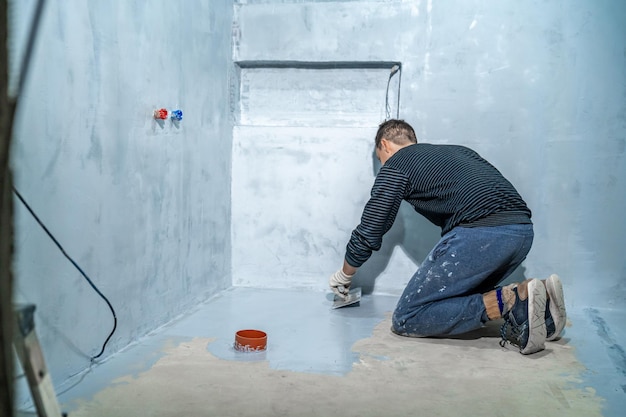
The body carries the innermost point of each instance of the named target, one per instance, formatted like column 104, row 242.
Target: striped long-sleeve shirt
column 450, row 185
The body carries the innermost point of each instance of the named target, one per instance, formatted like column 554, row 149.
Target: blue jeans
column 444, row 297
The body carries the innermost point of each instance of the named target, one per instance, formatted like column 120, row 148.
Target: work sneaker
column 524, row 323
column 555, row 307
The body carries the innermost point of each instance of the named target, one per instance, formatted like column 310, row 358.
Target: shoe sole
column 554, row 288
column 536, row 317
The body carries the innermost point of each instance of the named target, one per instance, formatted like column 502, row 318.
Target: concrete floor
column 323, row 362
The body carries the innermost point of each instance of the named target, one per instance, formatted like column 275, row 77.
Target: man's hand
column 340, row 283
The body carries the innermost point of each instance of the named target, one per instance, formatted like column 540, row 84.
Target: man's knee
column 412, row 327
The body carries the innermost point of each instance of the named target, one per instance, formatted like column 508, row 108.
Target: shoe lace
column 516, row 333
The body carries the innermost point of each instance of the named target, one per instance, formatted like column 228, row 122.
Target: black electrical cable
column 30, row 45
column 399, row 82
column 77, row 267
column 387, row 110
column 394, row 69
column 12, row 110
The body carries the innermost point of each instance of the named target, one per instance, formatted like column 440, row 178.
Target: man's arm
column 348, row 269
column 378, row 216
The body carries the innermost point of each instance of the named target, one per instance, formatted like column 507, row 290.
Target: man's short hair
column 396, row 131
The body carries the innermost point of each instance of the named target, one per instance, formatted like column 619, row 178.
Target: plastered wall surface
column 537, row 88
column 142, row 206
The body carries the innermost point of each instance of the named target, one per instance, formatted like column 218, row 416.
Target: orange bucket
column 250, row 340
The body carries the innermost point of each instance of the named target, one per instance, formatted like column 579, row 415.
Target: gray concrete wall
column 538, row 88
column 143, row 207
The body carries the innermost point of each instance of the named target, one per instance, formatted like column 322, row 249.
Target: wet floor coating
column 307, row 337
column 304, row 333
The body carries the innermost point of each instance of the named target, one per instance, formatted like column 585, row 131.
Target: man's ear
column 384, row 145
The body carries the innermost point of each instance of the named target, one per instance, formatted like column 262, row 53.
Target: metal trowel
column 354, row 296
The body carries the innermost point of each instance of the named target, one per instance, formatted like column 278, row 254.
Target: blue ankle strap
column 500, row 303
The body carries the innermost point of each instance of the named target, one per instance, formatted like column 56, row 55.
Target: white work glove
column 340, row 283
